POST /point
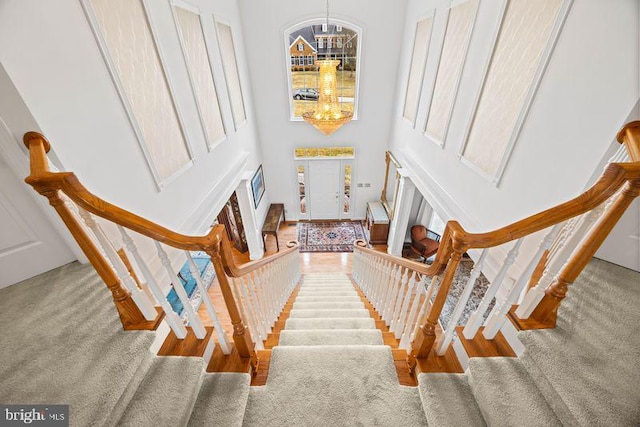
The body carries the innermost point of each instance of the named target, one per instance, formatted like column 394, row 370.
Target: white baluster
column 402, row 285
column 213, row 315
column 141, row 299
column 195, row 322
column 535, row 294
column 402, row 318
column 462, row 303
column 251, row 314
column 499, row 316
column 173, row 320
column 408, row 328
column 236, row 284
column 396, row 276
column 424, row 310
column 476, row 319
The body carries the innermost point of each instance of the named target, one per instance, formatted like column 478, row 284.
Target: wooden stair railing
column 62, row 187
column 601, row 206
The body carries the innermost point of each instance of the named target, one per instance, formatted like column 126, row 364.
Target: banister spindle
column 173, row 320
column 545, row 313
column 402, row 285
column 535, row 294
column 194, row 321
column 419, row 290
column 496, row 320
column 211, row 311
column 476, row 319
column 142, row 300
column 462, row 303
column 402, row 318
column 241, row 336
column 426, row 335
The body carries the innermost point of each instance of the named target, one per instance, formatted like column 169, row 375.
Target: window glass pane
column 322, row 45
column 347, row 189
column 301, row 192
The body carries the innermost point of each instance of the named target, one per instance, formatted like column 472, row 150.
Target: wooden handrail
column 621, row 180
column 215, row 243
column 67, row 182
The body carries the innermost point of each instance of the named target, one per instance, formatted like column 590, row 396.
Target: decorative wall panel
column 416, row 71
column 197, row 59
column 454, row 51
column 131, row 53
column 227, row 50
column 523, row 38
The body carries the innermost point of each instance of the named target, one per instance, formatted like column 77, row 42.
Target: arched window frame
column 320, row 21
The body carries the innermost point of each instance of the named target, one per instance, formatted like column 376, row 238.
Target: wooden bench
column 272, row 222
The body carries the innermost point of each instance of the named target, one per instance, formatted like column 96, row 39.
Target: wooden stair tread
column 479, row 346
column 189, row 346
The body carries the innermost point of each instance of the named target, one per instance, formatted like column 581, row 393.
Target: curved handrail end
column 36, row 136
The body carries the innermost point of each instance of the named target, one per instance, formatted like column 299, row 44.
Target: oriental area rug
column 329, row 236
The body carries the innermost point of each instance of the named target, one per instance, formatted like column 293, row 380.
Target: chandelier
column 328, row 115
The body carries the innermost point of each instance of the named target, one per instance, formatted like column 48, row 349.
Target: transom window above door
column 313, row 40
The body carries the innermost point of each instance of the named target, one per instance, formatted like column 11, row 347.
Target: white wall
column 589, row 87
column 51, row 55
column 382, row 25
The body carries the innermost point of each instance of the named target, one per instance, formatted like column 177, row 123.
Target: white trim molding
column 458, row 78
column 419, row 68
column 192, row 80
column 528, row 100
column 227, row 70
column 160, row 182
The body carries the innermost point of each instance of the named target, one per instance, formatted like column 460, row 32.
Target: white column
column 402, row 210
column 252, row 225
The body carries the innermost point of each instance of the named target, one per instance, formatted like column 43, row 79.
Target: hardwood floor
column 311, row 263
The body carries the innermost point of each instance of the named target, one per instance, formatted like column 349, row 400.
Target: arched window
column 337, row 40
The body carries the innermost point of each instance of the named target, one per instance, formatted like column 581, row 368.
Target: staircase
column 330, row 366
column 62, row 342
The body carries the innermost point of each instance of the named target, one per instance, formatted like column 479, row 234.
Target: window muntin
column 323, row 45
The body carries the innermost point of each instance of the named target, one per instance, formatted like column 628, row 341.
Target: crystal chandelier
column 328, row 116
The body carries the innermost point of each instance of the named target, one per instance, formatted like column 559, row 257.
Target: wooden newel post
column 629, row 135
column 241, row 336
column 426, row 334
column 46, row 183
column 546, row 312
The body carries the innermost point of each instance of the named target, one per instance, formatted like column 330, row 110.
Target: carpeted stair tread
column 587, row 366
column 330, row 323
column 331, row 337
column 329, row 298
column 328, row 313
column 327, row 305
column 167, row 393
column 325, row 289
column 328, row 294
column 314, row 288
column 333, row 385
column 506, row 394
column 448, row 401
column 222, row 400
column 585, row 383
column 62, row 328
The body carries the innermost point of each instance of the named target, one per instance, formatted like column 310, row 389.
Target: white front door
column 29, row 245
column 324, row 189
